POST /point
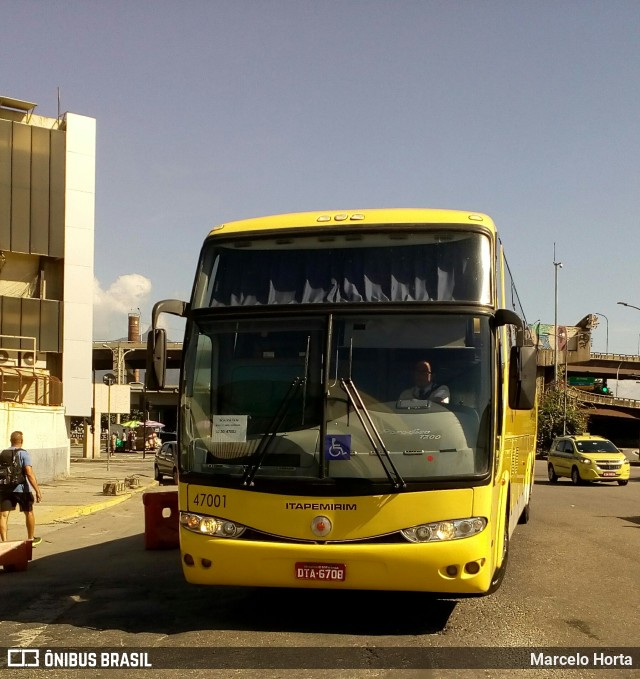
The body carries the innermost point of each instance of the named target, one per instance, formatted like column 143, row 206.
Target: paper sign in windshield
column 229, row 428
column 337, row 447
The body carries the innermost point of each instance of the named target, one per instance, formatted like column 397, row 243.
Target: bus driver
column 425, row 389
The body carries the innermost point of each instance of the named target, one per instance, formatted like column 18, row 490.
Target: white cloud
column 111, row 307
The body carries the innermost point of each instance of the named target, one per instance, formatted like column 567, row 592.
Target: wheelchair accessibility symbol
column 337, row 447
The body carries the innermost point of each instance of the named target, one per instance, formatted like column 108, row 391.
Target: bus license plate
column 608, row 473
column 332, row 572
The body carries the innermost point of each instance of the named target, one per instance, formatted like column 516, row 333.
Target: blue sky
column 209, row 111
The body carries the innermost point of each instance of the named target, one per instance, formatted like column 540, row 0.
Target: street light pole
column 108, row 379
column 633, row 307
column 566, row 382
column 108, row 423
column 118, row 359
column 606, row 351
column 557, row 265
column 144, row 417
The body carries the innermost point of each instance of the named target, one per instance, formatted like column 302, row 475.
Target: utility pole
column 557, row 265
column 109, row 379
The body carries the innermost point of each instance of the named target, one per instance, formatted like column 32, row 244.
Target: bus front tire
column 498, row 574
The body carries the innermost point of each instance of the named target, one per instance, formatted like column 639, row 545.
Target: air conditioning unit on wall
column 7, row 358
column 27, row 359
column 15, row 359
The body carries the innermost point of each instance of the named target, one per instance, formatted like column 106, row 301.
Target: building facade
column 47, row 206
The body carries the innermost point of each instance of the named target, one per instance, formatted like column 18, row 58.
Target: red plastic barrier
column 15, row 556
column 161, row 532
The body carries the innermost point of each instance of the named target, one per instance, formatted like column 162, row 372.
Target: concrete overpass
column 612, row 416
column 122, row 357
column 126, row 360
column 569, row 347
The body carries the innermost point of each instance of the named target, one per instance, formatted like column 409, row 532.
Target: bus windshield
column 334, row 396
column 390, row 266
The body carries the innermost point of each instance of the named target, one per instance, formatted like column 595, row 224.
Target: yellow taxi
column 587, row 458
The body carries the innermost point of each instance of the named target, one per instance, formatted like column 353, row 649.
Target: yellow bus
column 312, row 452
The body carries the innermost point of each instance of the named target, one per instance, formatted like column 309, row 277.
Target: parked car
column 166, row 461
column 587, row 458
column 165, row 436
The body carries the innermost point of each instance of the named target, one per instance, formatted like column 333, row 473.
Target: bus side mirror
column 523, row 368
column 508, row 317
column 156, row 359
column 157, row 342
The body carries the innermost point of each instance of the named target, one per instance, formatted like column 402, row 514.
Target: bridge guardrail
column 601, row 399
column 625, row 358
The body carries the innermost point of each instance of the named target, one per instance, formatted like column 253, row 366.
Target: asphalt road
column 572, row 581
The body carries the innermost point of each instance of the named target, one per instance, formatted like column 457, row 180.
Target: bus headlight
column 445, row 530
column 211, row 525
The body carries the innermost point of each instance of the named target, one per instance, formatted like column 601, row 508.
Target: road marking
column 46, row 609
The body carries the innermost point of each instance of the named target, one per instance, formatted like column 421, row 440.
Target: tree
column 552, row 417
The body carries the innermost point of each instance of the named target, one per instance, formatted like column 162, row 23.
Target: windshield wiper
column 372, row 433
column 272, row 430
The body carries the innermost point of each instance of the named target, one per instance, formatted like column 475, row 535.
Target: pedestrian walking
column 17, row 478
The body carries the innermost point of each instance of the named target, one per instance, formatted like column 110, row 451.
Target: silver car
column 166, row 462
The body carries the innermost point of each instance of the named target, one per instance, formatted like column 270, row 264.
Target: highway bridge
column 617, row 418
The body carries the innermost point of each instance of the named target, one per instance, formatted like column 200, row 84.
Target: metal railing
column 625, row 358
column 30, row 388
column 12, row 351
column 602, row 399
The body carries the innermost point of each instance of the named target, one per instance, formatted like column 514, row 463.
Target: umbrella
column 131, row 424
column 151, row 424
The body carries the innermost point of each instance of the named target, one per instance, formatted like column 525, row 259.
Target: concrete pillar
column 91, row 444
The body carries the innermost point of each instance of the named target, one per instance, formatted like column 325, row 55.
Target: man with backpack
column 16, row 478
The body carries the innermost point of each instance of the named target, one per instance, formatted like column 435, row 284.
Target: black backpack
column 11, row 472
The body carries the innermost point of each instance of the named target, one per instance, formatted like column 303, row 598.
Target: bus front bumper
column 462, row 566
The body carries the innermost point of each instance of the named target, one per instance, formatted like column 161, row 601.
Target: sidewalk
column 81, row 492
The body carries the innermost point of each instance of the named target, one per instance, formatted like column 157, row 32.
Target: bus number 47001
column 209, row 500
